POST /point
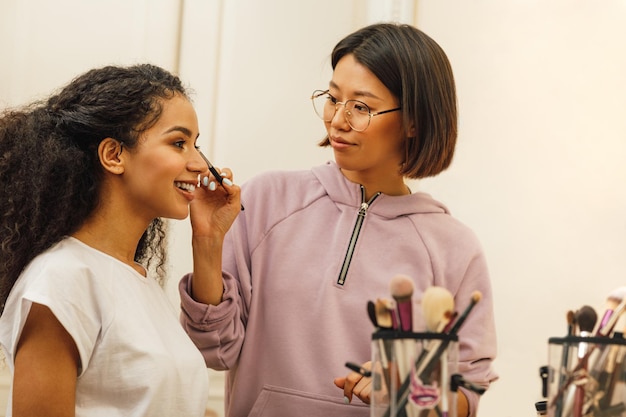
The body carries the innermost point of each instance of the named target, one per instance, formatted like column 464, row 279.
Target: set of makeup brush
column 414, row 371
column 587, row 372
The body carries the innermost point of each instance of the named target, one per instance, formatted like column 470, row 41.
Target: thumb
column 340, row 382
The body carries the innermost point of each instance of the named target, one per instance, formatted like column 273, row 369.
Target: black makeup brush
column 571, row 325
column 371, row 312
column 216, row 174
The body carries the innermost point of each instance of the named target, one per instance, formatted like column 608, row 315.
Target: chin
column 178, row 214
column 342, row 164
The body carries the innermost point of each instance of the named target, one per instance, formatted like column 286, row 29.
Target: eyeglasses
column 357, row 113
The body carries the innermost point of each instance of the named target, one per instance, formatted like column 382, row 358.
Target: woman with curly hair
column 86, row 178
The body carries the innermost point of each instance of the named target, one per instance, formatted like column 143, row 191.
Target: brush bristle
column 437, row 307
column 383, row 313
column 586, row 319
column 371, row 312
column 401, row 286
column 617, row 294
column 476, row 296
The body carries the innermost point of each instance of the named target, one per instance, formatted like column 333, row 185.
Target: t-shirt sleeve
column 73, row 295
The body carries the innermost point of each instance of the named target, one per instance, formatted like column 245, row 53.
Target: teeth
column 185, row 186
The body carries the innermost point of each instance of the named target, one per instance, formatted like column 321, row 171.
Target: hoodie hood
column 343, row 191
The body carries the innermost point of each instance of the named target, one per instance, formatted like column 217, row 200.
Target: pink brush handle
column 579, row 399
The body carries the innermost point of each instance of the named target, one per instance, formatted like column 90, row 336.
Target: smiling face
column 161, row 171
column 376, row 153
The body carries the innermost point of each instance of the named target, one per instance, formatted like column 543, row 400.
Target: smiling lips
column 185, row 186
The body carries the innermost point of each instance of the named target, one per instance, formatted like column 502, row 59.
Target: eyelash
column 334, row 100
column 181, row 144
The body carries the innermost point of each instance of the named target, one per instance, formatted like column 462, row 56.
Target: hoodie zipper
column 355, row 235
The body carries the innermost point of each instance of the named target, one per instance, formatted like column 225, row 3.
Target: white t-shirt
column 136, row 358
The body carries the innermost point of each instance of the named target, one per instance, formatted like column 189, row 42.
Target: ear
column 109, row 152
column 412, row 131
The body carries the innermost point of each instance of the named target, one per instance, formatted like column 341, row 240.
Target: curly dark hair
column 50, row 173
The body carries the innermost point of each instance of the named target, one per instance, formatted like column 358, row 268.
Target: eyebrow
column 181, row 129
column 358, row 93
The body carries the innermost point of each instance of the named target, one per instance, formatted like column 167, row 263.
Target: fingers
column 224, row 176
column 355, row 384
column 363, row 390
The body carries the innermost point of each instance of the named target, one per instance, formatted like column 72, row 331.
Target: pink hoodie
column 287, row 325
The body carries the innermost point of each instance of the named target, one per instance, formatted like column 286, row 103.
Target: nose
column 340, row 119
column 196, row 162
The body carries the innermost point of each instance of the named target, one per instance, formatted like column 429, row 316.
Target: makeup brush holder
column 412, row 374
column 587, row 377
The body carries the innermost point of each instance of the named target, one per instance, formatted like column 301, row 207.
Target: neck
column 112, row 235
column 391, row 185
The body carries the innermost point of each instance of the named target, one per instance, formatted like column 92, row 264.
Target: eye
column 331, row 98
column 360, row 107
column 180, row 144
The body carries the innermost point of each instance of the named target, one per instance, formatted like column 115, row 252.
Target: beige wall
column 539, row 169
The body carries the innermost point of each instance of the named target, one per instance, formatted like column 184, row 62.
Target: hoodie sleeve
column 459, row 264
column 477, row 337
column 217, row 330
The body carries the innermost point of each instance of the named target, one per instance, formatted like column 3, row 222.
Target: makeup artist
column 87, row 178
column 284, row 308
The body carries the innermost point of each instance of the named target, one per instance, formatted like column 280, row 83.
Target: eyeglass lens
column 357, row 113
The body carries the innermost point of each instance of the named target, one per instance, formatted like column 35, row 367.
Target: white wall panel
column 46, row 43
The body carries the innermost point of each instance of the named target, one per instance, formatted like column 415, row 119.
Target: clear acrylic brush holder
column 411, row 374
column 587, row 377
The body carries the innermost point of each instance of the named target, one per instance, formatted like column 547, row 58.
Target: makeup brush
column 383, row 313
column 383, row 308
column 438, row 310
column 571, row 325
column 371, row 312
column 571, row 322
column 607, row 377
column 437, row 307
column 586, row 319
column 454, row 329
column 216, row 174
column 476, row 296
column 616, row 304
column 401, row 288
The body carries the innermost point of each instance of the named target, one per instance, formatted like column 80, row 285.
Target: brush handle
column 579, row 400
column 216, row 174
column 445, row 381
column 612, row 320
